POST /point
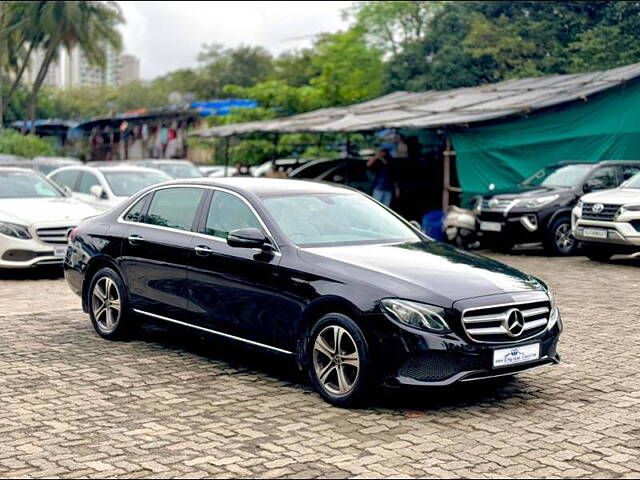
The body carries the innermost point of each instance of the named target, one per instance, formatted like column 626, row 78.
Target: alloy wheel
column 336, row 360
column 105, row 304
column 564, row 239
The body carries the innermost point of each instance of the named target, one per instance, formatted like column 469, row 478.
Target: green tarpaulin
column 604, row 127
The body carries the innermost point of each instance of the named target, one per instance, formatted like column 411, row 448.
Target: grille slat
column 53, row 235
column 606, row 215
column 490, row 324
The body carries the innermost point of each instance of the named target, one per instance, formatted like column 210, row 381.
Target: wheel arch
column 95, row 264
column 563, row 212
column 314, row 312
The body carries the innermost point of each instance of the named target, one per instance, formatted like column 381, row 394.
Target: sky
column 168, row 35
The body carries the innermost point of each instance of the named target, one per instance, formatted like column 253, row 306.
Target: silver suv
column 608, row 222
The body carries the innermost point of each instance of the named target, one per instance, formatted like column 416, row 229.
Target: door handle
column 203, row 251
column 135, row 239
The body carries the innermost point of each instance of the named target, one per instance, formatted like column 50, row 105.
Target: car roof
column 264, row 187
column 159, row 161
column 107, row 168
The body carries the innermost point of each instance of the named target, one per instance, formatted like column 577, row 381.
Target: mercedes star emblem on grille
column 514, row 322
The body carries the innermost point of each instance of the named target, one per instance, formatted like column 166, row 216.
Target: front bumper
column 619, row 233
column 418, row 358
column 515, row 227
column 17, row 253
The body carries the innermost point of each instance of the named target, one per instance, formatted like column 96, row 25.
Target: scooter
column 460, row 228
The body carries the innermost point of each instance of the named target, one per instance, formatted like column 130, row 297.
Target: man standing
column 379, row 163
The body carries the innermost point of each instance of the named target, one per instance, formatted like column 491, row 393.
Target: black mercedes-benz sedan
column 324, row 274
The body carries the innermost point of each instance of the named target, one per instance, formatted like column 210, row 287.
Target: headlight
column 536, row 202
column 627, row 208
column 416, row 315
column 14, row 230
column 553, row 309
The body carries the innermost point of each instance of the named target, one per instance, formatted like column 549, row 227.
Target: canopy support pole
column 446, row 181
column 276, row 142
column 226, row 156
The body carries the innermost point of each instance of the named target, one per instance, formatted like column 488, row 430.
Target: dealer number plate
column 595, row 233
column 59, row 251
column 511, row 356
column 491, row 226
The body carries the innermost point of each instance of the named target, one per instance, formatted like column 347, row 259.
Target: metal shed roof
column 433, row 109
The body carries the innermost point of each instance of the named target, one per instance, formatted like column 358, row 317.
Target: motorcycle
column 460, row 228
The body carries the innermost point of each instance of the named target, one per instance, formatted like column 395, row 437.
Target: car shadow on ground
column 393, row 401
column 52, row 272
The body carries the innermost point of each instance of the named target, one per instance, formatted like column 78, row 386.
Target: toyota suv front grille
column 506, row 323
column 598, row 211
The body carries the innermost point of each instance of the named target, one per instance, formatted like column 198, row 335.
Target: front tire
column 338, row 360
column 559, row 240
column 108, row 305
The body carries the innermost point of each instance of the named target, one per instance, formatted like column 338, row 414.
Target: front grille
column 495, row 204
column 607, row 214
column 491, row 324
column 53, row 235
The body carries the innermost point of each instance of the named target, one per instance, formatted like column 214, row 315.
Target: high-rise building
column 128, row 69
column 53, row 78
column 79, row 72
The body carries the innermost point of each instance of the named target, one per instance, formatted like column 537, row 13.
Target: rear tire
column 109, row 306
column 559, row 241
column 338, row 361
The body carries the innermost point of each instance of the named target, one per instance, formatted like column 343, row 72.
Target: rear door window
column 174, row 207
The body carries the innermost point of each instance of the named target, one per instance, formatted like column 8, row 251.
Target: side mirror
column 247, row 238
column 67, row 190
column 592, row 185
column 98, row 192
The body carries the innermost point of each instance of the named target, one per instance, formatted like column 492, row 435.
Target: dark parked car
column 539, row 210
column 321, row 273
column 352, row 172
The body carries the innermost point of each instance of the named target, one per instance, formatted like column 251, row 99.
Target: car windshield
column 126, row 183
column 336, row 219
column 558, row 176
column 633, row 182
column 26, row 185
column 179, row 170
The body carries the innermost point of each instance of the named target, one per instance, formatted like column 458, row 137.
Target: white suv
column 608, row 222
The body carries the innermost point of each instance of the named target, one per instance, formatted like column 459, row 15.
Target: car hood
column 617, row 196
column 425, row 271
column 527, row 192
column 27, row 211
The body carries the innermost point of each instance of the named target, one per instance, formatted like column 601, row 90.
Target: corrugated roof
column 433, row 109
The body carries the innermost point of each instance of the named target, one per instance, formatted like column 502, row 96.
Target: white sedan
column 105, row 186
column 35, row 217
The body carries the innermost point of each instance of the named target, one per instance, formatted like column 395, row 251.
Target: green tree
column 392, row 25
column 350, row 71
column 295, row 68
column 91, row 25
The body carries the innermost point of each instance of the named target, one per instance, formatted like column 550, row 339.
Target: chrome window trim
column 215, row 332
column 501, row 305
column 270, row 236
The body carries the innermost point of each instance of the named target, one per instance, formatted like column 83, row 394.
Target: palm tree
column 18, row 40
column 90, row 25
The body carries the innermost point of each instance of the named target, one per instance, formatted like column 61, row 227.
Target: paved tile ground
column 171, row 403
